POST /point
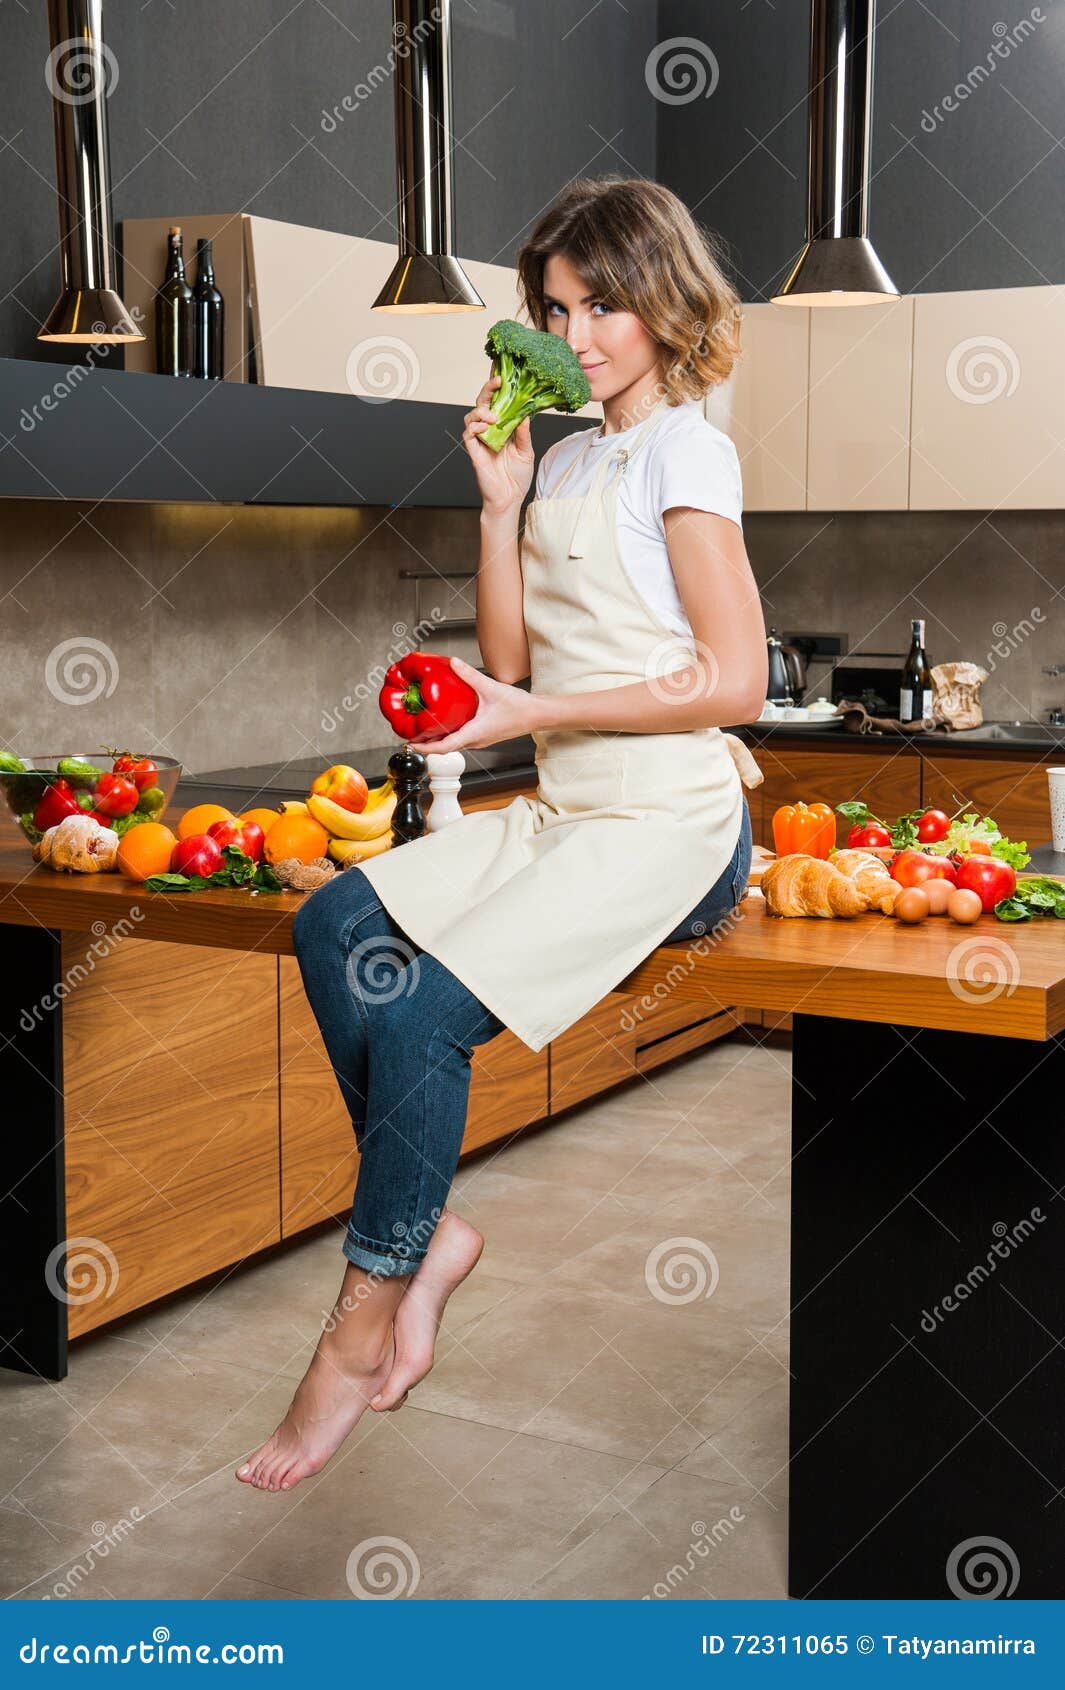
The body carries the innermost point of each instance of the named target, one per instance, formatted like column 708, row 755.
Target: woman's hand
column 503, row 712
column 503, row 477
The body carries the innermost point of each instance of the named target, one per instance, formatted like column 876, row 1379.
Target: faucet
column 1055, row 717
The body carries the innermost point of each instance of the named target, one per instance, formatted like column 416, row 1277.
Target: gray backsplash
column 227, row 635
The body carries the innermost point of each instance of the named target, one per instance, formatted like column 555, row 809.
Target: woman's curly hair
column 639, row 249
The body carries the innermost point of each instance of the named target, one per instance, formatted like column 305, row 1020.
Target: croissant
column 798, row 884
column 869, row 873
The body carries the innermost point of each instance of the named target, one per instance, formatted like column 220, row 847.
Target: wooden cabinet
column 988, row 423
column 859, row 408
column 170, row 1061
column 763, row 407
column 319, row 1161
column 508, row 1089
column 596, row 1052
column 1016, row 794
column 889, row 781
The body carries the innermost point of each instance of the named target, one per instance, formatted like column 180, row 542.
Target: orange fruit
column 295, row 836
column 199, row 819
column 265, row 818
column 145, row 850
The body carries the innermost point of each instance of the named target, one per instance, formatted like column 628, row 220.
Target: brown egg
column 912, row 904
column 964, row 905
column 938, row 892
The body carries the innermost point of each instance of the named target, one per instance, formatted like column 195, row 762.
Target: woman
column 633, row 610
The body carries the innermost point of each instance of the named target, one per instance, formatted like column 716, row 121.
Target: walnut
column 304, row 877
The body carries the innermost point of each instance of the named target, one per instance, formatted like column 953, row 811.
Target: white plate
column 804, row 722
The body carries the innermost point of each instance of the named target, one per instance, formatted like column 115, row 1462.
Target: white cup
column 1056, row 781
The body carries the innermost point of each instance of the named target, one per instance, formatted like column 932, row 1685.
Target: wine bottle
column 208, row 317
column 173, row 311
column 915, row 692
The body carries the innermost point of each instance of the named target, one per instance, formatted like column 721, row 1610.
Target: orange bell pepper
column 809, row 828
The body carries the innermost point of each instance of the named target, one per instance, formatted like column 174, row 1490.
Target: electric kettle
column 787, row 671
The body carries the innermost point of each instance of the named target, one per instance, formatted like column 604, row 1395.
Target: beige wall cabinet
column 988, row 424
column 763, row 407
column 859, row 408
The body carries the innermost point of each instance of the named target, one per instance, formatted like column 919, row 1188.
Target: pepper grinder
column 445, row 774
column 408, row 771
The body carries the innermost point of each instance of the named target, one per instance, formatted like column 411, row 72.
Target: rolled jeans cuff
column 373, row 1259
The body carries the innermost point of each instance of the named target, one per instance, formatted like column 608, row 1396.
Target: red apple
column 198, row 854
column 246, row 836
column 912, row 868
column 989, row 877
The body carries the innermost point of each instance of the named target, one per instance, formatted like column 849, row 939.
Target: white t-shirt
column 684, row 460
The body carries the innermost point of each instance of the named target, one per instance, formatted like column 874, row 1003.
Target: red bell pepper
column 423, row 698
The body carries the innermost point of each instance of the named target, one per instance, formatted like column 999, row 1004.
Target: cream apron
column 543, row 906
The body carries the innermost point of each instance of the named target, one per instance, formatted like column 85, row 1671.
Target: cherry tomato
column 912, row 868
column 933, row 826
column 115, row 795
column 140, row 770
column 867, row 834
column 991, row 878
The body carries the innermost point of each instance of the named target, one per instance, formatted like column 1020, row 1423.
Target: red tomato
column 58, row 802
column 246, row 836
column 115, row 795
column 140, row 770
column 933, row 826
column 912, row 868
column 991, row 878
column 868, row 833
column 198, row 854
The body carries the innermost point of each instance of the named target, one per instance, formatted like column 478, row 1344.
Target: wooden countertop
column 1006, row 980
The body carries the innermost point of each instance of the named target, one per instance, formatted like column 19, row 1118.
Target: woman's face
column 614, row 348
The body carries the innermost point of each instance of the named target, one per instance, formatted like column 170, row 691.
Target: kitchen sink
column 1012, row 731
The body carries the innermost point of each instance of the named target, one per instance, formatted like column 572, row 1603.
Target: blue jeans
column 400, row 1029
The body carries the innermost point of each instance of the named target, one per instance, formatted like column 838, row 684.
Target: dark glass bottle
column 208, row 318
column 173, row 312
column 915, row 693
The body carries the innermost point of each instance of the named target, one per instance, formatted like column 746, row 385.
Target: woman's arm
column 501, row 635
column 727, row 684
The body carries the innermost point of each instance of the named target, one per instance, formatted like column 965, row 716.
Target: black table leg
column 927, row 1437
column 33, row 1319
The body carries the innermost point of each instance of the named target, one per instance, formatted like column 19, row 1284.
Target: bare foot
column 330, row 1399
column 453, row 1253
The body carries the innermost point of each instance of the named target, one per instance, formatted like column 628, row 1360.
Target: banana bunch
column 353, row 834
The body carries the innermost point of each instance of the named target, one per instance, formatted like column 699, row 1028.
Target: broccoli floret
column 539, row 372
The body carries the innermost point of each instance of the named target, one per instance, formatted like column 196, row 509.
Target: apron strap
column 588, row 512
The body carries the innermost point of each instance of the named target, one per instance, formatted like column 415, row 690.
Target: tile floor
column 607, row 1416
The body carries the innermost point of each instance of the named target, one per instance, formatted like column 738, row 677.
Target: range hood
column 79, row 73
column 839, row 265
column 427, row 276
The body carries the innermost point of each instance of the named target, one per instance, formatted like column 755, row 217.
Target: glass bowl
column 23, row 790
